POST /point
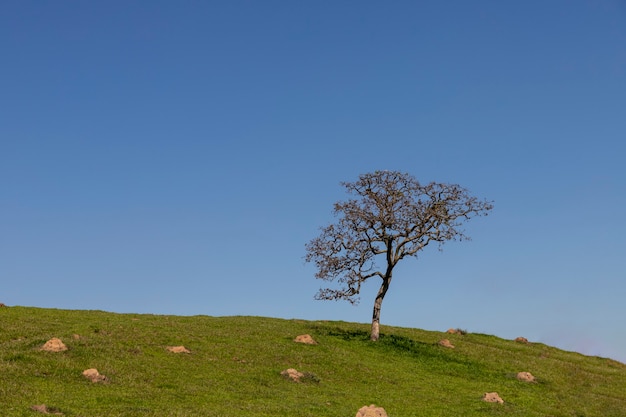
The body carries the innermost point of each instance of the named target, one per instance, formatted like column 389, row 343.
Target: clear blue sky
column 175, row 157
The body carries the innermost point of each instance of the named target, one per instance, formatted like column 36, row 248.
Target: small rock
column 446, row 343
column 521, row 340
column 292, row 374
column 306, row 339
column 492, row 397
column 44, row 409
column 54, row 345
column 371, row 411
column 40, row 408
column 178, row 349
column 525, row 376
column 93, row 375
column 453, row 331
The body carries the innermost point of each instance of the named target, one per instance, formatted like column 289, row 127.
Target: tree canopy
column 391, row 217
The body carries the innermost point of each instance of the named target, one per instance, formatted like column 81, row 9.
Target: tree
column 392, row 217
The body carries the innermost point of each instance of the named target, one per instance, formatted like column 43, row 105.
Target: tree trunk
column 375, row 335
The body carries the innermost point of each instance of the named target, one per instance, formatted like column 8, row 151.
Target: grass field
column 235, row 365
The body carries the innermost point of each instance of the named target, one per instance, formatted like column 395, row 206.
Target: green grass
column 235, row 364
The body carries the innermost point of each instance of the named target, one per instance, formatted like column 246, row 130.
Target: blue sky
column 175, row 157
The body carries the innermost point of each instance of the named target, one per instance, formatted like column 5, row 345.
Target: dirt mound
column 492, row 397
column 525, row 376
column 44, row 409
column 292, row 374
column 306, row 339
column 446, row 343
column 93, row 375
column 54, row 345
column 371, row 411
column 178, row 349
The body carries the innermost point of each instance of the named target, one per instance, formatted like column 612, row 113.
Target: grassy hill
column 235, row 364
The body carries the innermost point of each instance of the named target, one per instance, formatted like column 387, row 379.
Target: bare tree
column 392, row 217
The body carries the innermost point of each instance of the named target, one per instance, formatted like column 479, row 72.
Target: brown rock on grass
column 44, row 409
column 178, row 349
column 54, row 345
column 521, row 340
column 93, row 375
column 371, row 411
column 492, row 397
column 306, row 339
column 525, row 376
column 446, row 343
column 292, row 374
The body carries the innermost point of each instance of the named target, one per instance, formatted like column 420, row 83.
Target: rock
column 54, row 345
column 306, row 339
column 446, row 343
column 521, row 340
column 371, row 411
column 453, row 331
column 44, row 409
column 525, row 376
column 40, row 408
column 292, row 374
column 492, row 397
column 93, row 375
column 178, row 349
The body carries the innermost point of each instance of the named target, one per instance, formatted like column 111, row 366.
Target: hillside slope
column 235, row 364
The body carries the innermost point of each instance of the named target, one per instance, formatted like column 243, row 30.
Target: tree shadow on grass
column 347, row 335
column 430, row 355
column 387, row 342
